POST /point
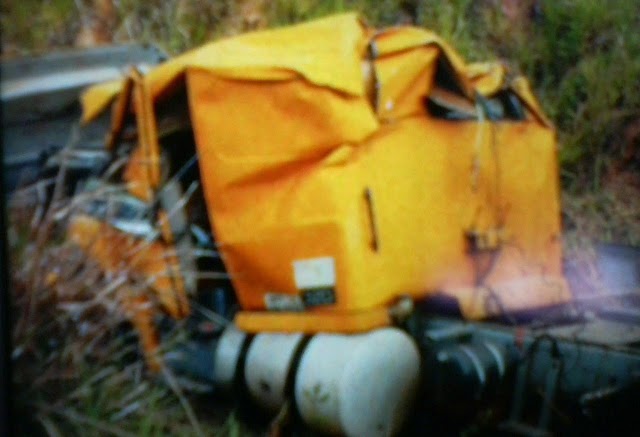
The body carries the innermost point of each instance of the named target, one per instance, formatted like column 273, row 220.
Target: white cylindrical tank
column 358, row 385
column 269, row 359
column 227, row 356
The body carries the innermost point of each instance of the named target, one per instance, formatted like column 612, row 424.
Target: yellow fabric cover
column 323, row 172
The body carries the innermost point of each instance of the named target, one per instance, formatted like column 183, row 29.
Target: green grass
column 583, row 58
column 36, row 25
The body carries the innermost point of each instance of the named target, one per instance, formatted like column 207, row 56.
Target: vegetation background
column 582, row 56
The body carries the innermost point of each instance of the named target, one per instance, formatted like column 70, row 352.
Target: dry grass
column 610, row 215
column 77, row 365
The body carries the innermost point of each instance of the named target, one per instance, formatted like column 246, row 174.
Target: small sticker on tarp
column 283, row 302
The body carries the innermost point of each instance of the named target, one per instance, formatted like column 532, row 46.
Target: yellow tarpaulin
column 344, row 167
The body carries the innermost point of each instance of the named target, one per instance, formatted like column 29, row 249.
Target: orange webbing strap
column 147, row 129
column 119, row 114
column 140, row 312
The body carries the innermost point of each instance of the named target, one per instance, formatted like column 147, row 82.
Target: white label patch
column 315, row 273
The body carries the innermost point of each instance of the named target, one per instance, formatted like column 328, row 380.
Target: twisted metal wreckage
column 370, row 197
